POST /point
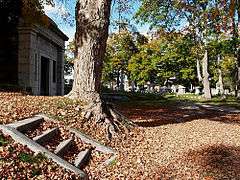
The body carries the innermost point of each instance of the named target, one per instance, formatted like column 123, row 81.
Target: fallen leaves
column 18, row 162
column 171, row 142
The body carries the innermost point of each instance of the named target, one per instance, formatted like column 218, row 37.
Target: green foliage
column 209, row 24
column 225, row 49
column 120, row 48
column 168, row 56
column 26, row 158
column 159, row 14
column 142, row 66
column 228, row 66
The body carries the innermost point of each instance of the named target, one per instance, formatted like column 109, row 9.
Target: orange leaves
column 175, row 142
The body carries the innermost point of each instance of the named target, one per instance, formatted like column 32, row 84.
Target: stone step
column 89, row 140
column 27, row 124
column 98, row 146
column 63, row 147
column 46, row 135
column 82, row 158
column 37, row 148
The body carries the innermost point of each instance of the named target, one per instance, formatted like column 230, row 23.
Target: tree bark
column 92, row 22
column 118, row 80
column 237, row 49
column 199, row 72
column 121, row 81
column 235, row 33
column 206, row 83
column 220, row 78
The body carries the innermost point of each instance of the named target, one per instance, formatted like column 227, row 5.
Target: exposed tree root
column 101, row 112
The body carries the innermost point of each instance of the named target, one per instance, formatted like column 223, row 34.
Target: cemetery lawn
column 175, row 139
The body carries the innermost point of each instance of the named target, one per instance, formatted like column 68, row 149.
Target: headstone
column 197, row 90
column 133, row 88
column 226, row 91
column 214, row 91
column 191, row 88
column 181, row 90
column 146, row 88
column 163, row 89
column 157, row 88
column 174, row 89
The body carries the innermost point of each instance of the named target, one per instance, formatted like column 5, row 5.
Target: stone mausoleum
column 32, row 57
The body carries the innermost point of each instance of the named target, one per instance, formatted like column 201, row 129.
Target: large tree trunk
column 92, row 22
column 206, row 83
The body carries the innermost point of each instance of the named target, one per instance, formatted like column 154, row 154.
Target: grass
column 171, row 100
column 113, row 162
column 3, row 141
column 36, row 172
column 230, row 101
column 56, row 117
column 216, row 100
column 24, row 157
column 64, row 102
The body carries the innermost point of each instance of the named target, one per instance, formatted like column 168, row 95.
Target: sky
column 61, row 11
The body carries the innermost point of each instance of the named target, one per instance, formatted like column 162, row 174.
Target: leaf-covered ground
column 173, row 141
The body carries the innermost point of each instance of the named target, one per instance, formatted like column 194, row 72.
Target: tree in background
column 120, row 48
column 142, row 67
column 233, row 7
column 157, row 61
column 199, row 18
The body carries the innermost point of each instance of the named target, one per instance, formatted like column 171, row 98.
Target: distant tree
column 233, row 7
column 197, row 17
column 161, row 59
column 120, row 48
column 142, row 67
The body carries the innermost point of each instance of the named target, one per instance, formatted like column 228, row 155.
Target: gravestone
column 226, row 91
column 197, row 90
column 214, row 91
column 163, row 90
column 174, row 89
column 181, row 90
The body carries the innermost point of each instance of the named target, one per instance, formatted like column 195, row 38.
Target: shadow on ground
column 213, row 162
column 152, row 114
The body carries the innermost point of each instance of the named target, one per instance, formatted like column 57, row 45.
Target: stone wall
column 24, row 58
